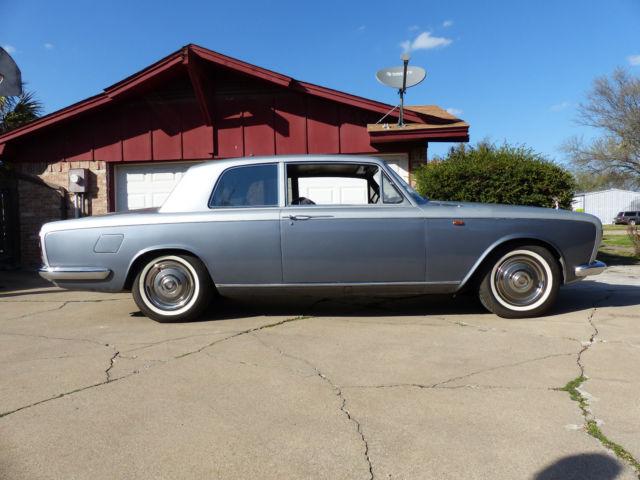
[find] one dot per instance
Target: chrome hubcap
(520, 280)
(169, 285)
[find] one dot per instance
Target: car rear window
(247, 186)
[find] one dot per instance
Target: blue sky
(515, 70)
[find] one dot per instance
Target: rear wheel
(632, 223)
(173, 288)
(522, 282)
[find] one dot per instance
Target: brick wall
(40, 201)
(417, 156)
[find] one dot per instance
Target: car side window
(390, 194)
(247, 186)
(333, 184)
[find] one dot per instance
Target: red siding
(290, 125)
(136, 133)
(257, 121)
(197, 138)
(79, 142)
(322, 126)
(228, 122)
(107, 143)
(166, 132)
(354, 138)
(249, 118)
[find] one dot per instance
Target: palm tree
(16, 111)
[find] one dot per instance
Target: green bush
(490, 174)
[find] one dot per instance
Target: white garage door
(144, 186)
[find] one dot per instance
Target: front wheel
(522, 282)
(173, 288)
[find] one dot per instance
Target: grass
(617, 249)
(617, 240)
(591, 426)
(614, 227)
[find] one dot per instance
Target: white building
(605, 204)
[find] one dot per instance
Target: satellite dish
(401, 78)
(393, 76)
(10, 77)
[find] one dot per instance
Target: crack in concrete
(112, 362)
(338, 392)
(96, 300)
(592, 424)
(47, 337)
(146, 345)
(116, 354)
(61, 395)
(498, 367)
(443, 383)
(470, 386)
(31, 314)
(243, 332)
(49, 310)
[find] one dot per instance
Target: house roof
(422, 115)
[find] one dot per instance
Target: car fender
(510, 238)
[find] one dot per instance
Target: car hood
(495, 210)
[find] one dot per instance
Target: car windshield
(419, 199)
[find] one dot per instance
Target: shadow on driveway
(575, 297)
(588, 466)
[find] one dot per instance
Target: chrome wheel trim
(169, 285)
(522, 280)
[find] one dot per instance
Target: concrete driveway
(348, 389)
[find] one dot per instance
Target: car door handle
(307, 217)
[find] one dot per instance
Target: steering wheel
(302, 201)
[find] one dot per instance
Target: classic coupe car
(326, 225)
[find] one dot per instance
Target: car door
(242, 240)
(344, 243)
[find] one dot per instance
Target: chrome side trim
(74, 273)
(357, 284)
(593, 268)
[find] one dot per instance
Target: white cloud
(560, 106)
(634, 60)
(413, 28)
(48, 46)
(9, 48)
(456, 112)
(425, 41)
(447, 23)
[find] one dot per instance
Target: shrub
(487, 173)
(634, 234)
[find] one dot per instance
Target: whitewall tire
(521, 282)
(172, 288)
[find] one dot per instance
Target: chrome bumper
(593, 268)
(74, 273)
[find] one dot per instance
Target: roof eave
(451, 134)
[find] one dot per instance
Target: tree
(496, 174)
(613, 108)
(587, 181)
(16, 111)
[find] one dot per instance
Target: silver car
(327, 225)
